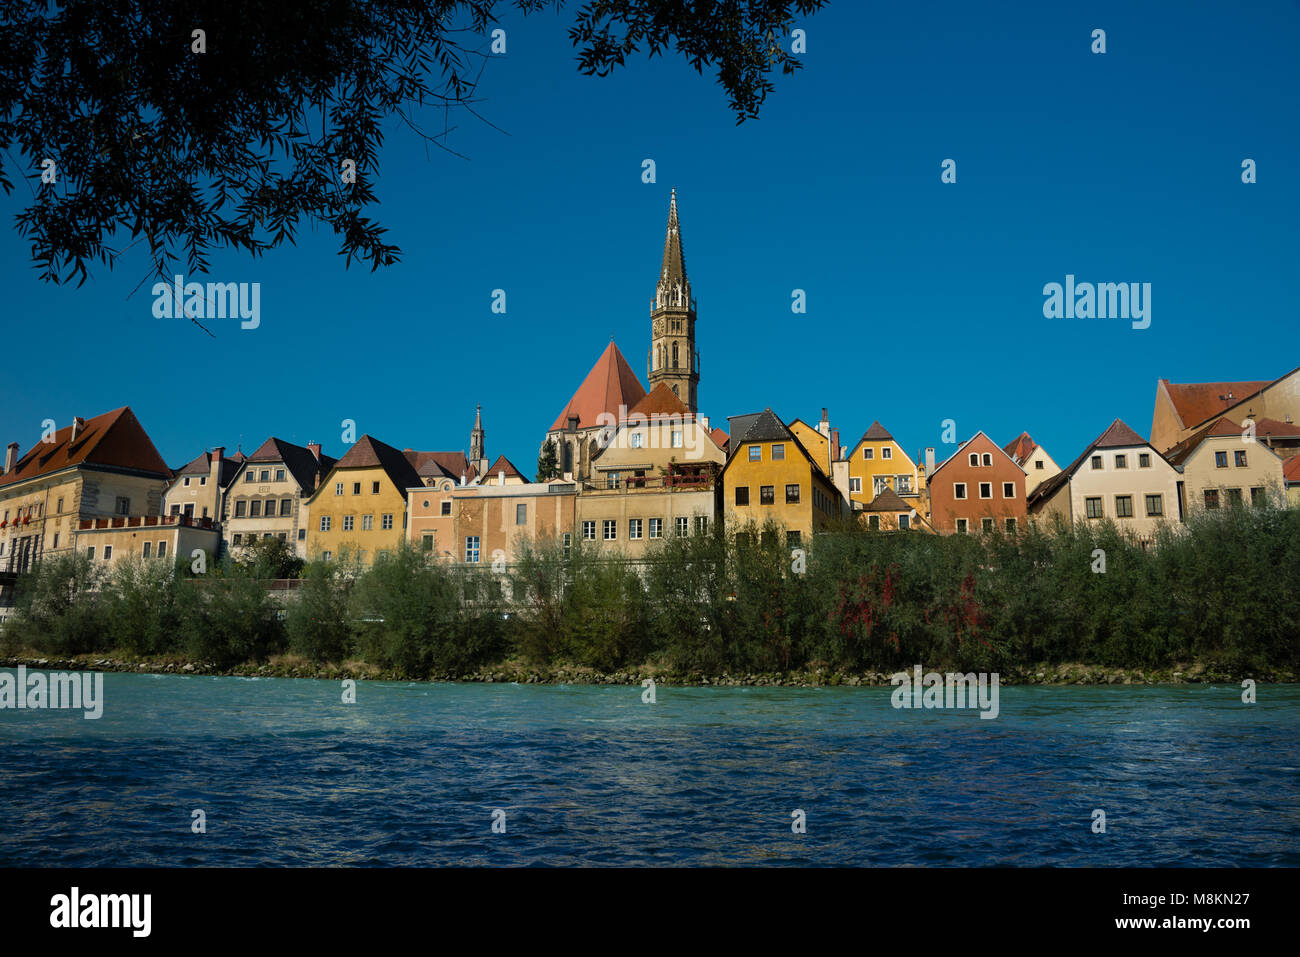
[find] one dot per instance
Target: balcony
(145, 521)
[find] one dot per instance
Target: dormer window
(988, 459)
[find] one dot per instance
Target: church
(579, 431)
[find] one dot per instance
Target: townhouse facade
(1033, 458)
(1182, 409)
(979, 488)
(1223, 466)
(199, 488)
(269, 494)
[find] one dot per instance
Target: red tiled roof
(503, 464)
(369, 453)
(1020, 448)
(1195, 402)
(1276, 429)
(1118, 436)
(720, 438)
(448, 464)
(659, 401)
(115, 439)
(1291, 470)
(1181, 452)
(610, 383)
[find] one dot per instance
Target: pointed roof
(1273, 428)
(1196, 402)
(202, 465)
(673, 271)
(1020, 448)
(610, 383)
(113, 440)
(877, 433)
(299, 460)
(720, 438)
(887, 501)
(1117, 435)
(450, 465)
(1222, 427)
(764, 426)
(369, 453)
(1291, 470)
(503, 464)
(661, 401)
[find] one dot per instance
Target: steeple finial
(673, 289)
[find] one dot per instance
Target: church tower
(477, 441)
(673, 359)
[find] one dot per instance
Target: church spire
(477, 442)
(674, 289)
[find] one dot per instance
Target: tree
(196, 125)
(548, 466)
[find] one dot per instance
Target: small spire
(673, 287)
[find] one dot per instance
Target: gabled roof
(450, 465)
(1291, 470)
(877, 433)
(765, 426)
(1117, 435)
(610, 383)
(300, 461)
(1222, 426)
(369, 453)
(1020, 448)
(720, 438)
(503, 464)
(1273, 428)
(113, 440)
(202, 465)
(1195, 402)
(961, 447)
(660, 401)
(887, 501)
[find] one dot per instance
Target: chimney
(573, 423)
(929, 462)
(462, 478)
(835, 445)
(824, 426)
(78, 424)
(314, 449)
(11, 457)
(214, 476)
(501, 477)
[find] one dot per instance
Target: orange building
(978, 488)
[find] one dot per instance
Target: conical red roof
(610, 383)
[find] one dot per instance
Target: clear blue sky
(924, 299)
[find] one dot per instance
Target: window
(873, 522)
(886, 453)
(742, 494)
(338, 487)
(279, 475)
(879, 484)
(162, 549)
(868, 454)
(186, 483)
(235, 540)
(145, 548)
(248, 476)
(610, 530)
(90, 551)
(356, 488)
(1038, 464)
(1096, 463)
(986, 524)
(1220, 460)
(568, 544)
(123, 506)
(1121, 461)
(1256, 498)
(265, 475)
(683, 526)
(108, 552)
(792, 495)
(446, 508)
(1092, 507)
(59, 507)
(588, 531)
(283, 536)
(676, 438)
(756, 453)
(1234, 497)
(634, 529)
(471, 548)
(302, 534)
(611, 480)
(255, 508)
(636, 440)
(793, 538)
(1155, 505)
(1239, 458)
(701, 524)
(521, 513)
(1008, 489)
(324, 523)
(905, 522)
(347, 523)
(286, 504)
(326, 555)
(241, 507)
(1212, 497)
(767, 494)
(1144, 460)
(959, 490)
(778, 452)
(961, 526)
(988, 459)
(903, 484)
(426, 541)
(986, 489)
(855, 485)
(374, 488)
(386, 521)
(1011, 525)
(56, 534)
(1124, 506)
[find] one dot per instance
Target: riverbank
(520, 672)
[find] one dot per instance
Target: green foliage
(548, 465)
(58, 607)
(317, 623)
(268, 558)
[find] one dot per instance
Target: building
(359, 510)
(887, 512)
(168, 537)
(1222, 467)
(1182, 409)
(978, 488)
(770, 476)
(1120, 476)
(1033, 458)
(673, 359)
(199, 487)
(821, 441)
(488, 521)
(93, 468)
(269, 494)
(878, 462)
(605, 395)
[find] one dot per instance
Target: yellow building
(770, 476)
(359, 510)
(878, 462)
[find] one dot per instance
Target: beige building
(98, 467)
(1033, 458)
(486, 521)
(269, 494)
(199, 488)
(1222, 468)
(1182, 409)
(110, 540)
(1120, 476)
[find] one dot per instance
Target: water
(411, 775)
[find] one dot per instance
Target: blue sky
(924, 299)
